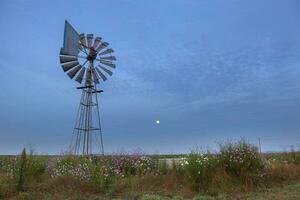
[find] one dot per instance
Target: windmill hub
(92, 55)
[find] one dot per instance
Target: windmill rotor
(89, 61)
(89, 49)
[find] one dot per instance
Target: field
(236, 171)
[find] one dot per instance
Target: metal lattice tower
(77, 52)
(87, 123)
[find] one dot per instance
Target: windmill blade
(107, 51)
(95, 77)
(69, 65)
(102, 46)
(103, 77)
(80, 75)
(106, 70)
(108, 58)
(82, 40)
(81, 47)
(97, 42)
(89, 39)
(66, 58)
(108, 63)
(74, 71)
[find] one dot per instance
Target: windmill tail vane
(88, 61)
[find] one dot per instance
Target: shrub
(78, 167)
(125, 165)
(201, 169)
(241, 159)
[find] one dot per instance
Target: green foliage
(241, 159)
(36, 167)
(25, 168)
(4, 164)
(201, 169)
(21, 171)
(295, 156)
(7, 186)
(100, 176)
(162, 167)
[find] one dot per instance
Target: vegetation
(238, 171)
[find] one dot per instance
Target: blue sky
(209, 70)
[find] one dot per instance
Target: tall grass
(21, 171)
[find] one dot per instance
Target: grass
(289, 192)
(237, 171)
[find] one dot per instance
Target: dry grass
(167, 185)
(283, 173)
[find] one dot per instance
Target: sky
(209, 70)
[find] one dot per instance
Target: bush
(126, 165)
(201, 169)
(77, 167)
(241, 159)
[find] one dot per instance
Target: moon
(157, 121)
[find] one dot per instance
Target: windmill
(88, 61)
